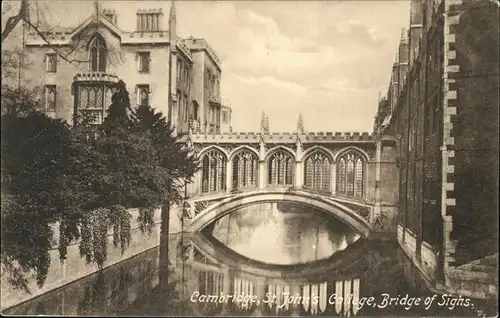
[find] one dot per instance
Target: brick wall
(474, 121)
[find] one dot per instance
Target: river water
(269, 259)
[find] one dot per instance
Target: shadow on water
(202, 266)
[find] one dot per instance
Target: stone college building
(78, 68)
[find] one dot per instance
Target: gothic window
(195, 110)
(186, 109)
(180, 105)
(50, 97)
(187, 77)
(213, 171)
(280, 168)
(179, 70)
(350, 175)
(91, 97)
(51, 62)
(245, 164)
(144, 59)
(143, 95)
(317, 172)
(98, 54)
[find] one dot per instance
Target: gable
(101, 22)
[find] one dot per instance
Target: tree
(171, 155)
(13, 21)
(37, 189)
(17, 98)
(19, 101)
(181, 165)
(118, 119)
(85, 178)
(131, 179)
(51, 173)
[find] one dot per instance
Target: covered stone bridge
(353, 176)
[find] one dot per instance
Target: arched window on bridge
(245, 164)
(280, 168)
(350, 175)
(214, 165)
(317, 172)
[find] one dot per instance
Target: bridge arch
(233, 203)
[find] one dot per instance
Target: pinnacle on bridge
(300, 124)
(264, 124)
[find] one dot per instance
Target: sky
(325, 59)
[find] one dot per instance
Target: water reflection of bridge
(276, 298)
(303, 289)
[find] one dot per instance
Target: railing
(194, 125)
(95, 77)
(212, 128)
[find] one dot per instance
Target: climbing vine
(146, 220)
(94, 233)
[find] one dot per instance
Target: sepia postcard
(250, 158)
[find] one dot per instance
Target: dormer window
(98, 54)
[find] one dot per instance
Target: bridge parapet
(277, 136)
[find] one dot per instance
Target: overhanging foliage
(84, 178)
